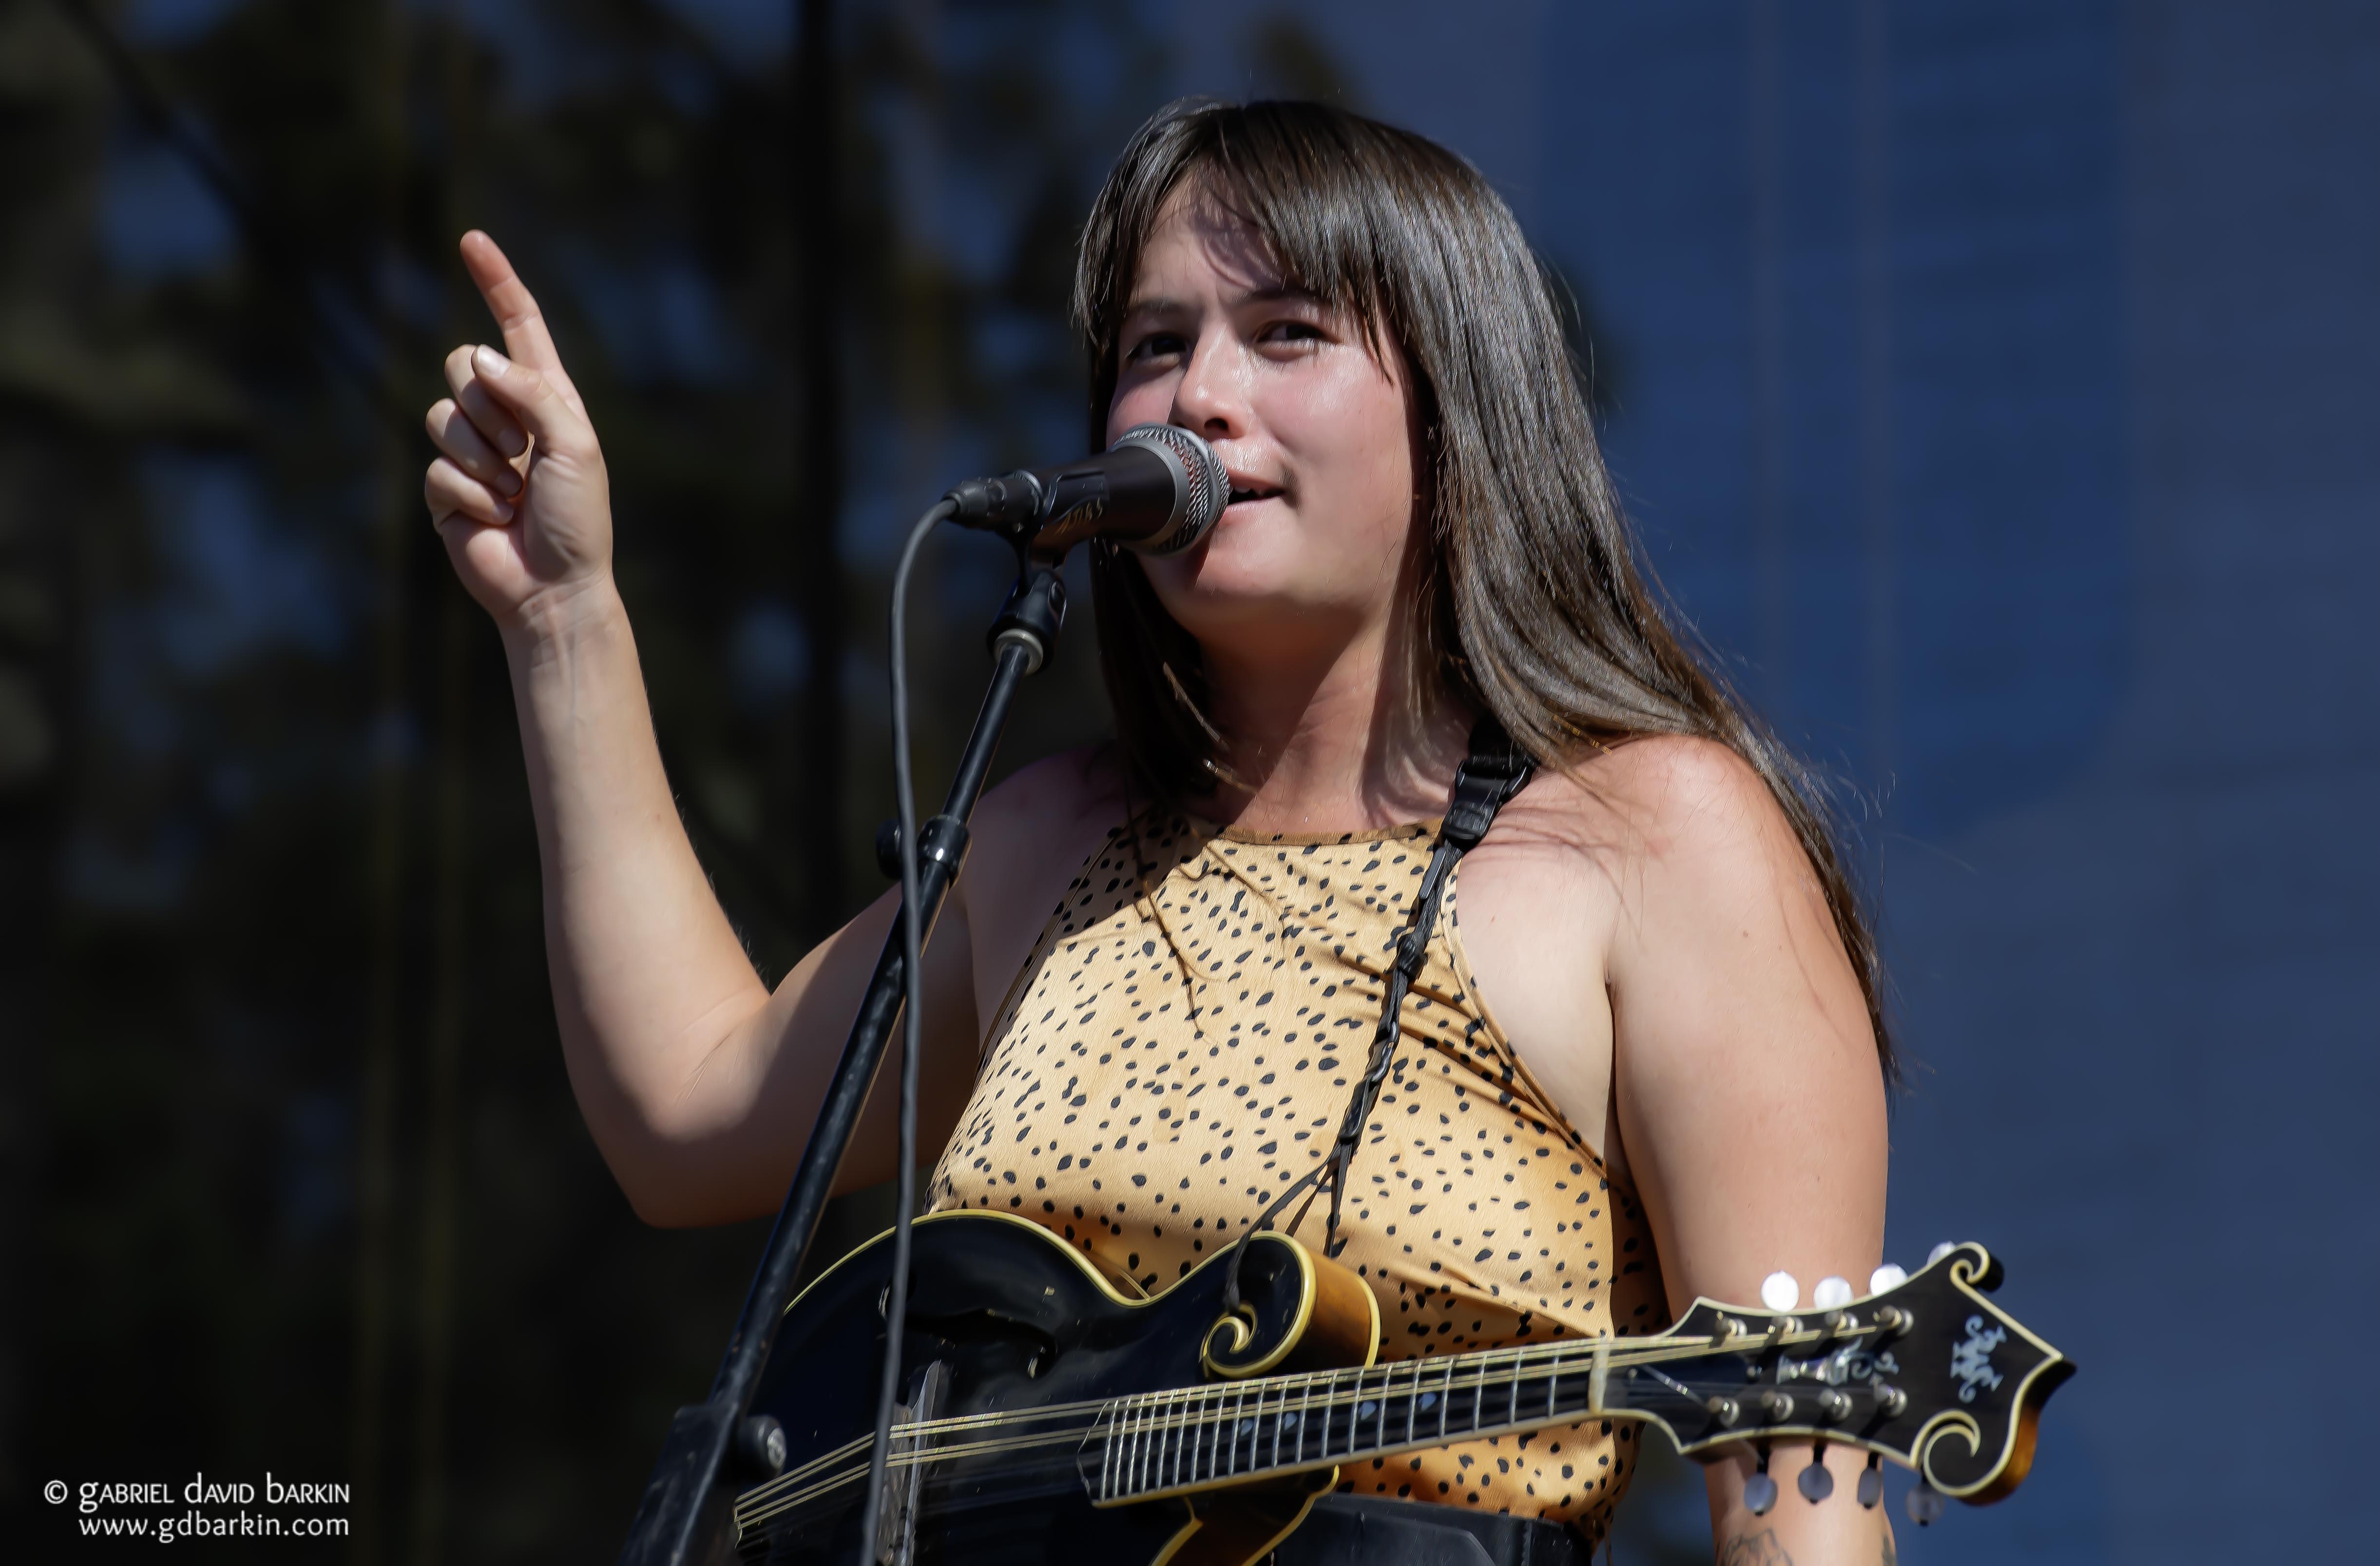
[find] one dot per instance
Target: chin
(1259, 573)
(1252, 609)
(1231, 575)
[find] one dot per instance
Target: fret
(1445, 1398)
(1553, 1379)
(1381, 1429)
(1186, 1462)
(1132, 1451)
(1181, 1435)
(1211, 1410)
(1167, 1436)
(1144, 1461)
(1512, 1415)
(1216, 1453)
(1239, 1410)
(1167, 1433)
(1185, 1457)
(1227, 1457)
(1412, 1400)
(1108, 1456)
(1305, 1418)
(1276, 1425)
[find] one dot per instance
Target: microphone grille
(1199, 502)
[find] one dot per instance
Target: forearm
(648, 978)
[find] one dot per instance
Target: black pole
(683, 1518)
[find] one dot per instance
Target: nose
(1211, 397)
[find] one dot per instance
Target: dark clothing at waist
(1349, 1530)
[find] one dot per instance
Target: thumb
(527, 396)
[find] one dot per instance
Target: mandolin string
(1475, 1373)
(923, 1430)
(747, 1517)
(1202, 1410)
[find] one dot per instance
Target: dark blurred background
(1992, 380)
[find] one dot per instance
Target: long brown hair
(1539, 610)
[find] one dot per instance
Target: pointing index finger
(527, 341)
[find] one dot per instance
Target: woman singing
(1642, 1059)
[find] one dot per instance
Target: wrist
(557, 616)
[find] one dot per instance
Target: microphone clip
(1010, 504)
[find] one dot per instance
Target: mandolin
(1045, 1414)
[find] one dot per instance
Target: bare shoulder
(1721, 906)
(1674, 807)
(1033, 832)
(1057, 791)
(1685, 851)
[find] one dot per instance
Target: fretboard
(1162, 1443)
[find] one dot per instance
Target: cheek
(1350, 440)
(1149, 403)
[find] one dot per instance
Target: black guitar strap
(1494, 771)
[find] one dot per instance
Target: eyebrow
(1269, 294)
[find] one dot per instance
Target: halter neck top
(1182, 1043)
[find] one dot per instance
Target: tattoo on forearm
(1755, 1549)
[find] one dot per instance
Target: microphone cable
(896, 1307)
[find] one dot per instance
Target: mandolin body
(1024, 1328)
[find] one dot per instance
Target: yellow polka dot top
(1183, 1044)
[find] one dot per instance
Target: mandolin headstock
(1927, 1372)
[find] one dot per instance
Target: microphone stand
(713, 1449)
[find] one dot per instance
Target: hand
(519, 495)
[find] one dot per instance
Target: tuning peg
(1760, 1490)
(1939, 1251)
(1886, 1277)
(1816, 1483)
(1924, 1504)
(1871, 1482)
(1780, 1292)
(1832, 1294)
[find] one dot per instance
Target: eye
(1292, 331)
(1157, 344)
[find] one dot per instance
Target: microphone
(1158, 489)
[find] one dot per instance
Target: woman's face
(1316, 435)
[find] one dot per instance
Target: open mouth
(1250, 489)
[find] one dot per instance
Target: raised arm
(1750, 1101)
(698, 1086)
